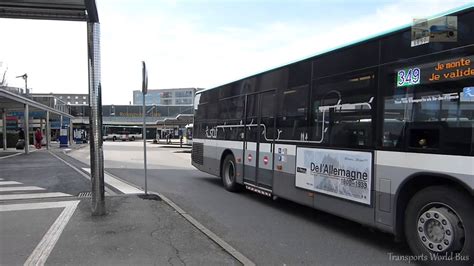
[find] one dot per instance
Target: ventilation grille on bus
(197, 153)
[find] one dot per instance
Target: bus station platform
(46, 218)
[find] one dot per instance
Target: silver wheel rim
(440, 229)
(229, 173)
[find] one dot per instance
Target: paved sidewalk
(135, 231)
(43, 221)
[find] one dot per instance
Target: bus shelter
(12, 102)
(75, 10)
(173, 125)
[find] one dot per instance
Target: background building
(161, 105)
(177, 96)
(70, 98)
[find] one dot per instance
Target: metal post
(26, 117)
(48, 131)
(26, 85)
(4, 130)
(71, 131)
(144, 142)
(95, 119)
(41, 130)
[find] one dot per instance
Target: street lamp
(25, 77)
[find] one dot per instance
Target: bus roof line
(359, 41)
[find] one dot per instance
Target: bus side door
(259, 136)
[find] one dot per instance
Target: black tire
(228, 174)
(114, 138)
(132, 139)
(443, 217)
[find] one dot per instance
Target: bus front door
(259, 136)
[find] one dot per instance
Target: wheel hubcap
(440, 229)
(230, 172)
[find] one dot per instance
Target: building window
(166, 101)
(84, 103)
(183, 101)
(180, 94)
(60, 97)
(77, 103)
(166, 95)
(69, 97)
(77, 97)
(68, 102)
(83, 97)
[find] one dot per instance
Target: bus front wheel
(114, 138)
(229, 174)
(439, 220)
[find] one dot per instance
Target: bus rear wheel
(439, 221)
(229, 174)
(114, 138)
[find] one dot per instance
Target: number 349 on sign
(408, 77)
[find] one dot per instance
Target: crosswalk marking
(45, 246)
(25, 188)
(5, 188)
(33, 196)
(4, 183)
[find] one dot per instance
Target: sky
(193, 43)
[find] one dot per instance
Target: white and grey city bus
(379, 132)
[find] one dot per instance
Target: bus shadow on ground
(367, 235)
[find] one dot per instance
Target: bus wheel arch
(420, 188)
(228, 172)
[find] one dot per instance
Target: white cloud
(180, 52)
(52, 53)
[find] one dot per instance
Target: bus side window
(431, 115)
(343, 109)
(293, 112)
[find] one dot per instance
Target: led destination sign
(452, 69)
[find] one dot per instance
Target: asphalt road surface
(269, 232)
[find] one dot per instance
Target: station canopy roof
(13, 102)
(72, 10)
(179, 120)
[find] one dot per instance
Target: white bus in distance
(122, 133)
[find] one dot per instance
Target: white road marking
(43, 249)
(11, 155)
(4, 183)
(118, 184)
(107, 190)
(33, 196)
(34, 206)
(1, 179)
(25, 188)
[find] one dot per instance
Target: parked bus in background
(379, 132)
(188, 134)
(123, 133)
